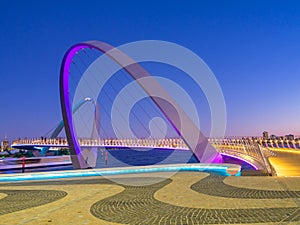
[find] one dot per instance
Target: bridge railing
(249, 150)
(269, 143)
(175, 143)
(246, 149)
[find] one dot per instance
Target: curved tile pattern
(137, 205)
(17, 200)
(214, 185)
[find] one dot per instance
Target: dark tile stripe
(23, 199)
(137, 205)
(214, 185)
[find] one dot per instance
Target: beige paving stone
(179, 193)
(2, 195)
(292, 183)
(73, 209)
(264, 183)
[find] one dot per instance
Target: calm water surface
(135, 157)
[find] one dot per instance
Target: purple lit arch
(183, 125)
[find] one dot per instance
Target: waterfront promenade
(159, 198)
(183, 198)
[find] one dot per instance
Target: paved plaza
(153, 198)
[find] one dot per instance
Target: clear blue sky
(253, 48)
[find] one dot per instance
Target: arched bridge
(246, 151)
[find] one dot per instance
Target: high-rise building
(265, 135)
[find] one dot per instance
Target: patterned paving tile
(17, 200)
(137, 205)
(214, 185)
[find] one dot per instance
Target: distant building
(265, 135)
(4, 144)
(290, 137)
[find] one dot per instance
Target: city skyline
(251, 47)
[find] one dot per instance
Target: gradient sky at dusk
(253, 48)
